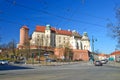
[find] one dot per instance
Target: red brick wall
(59, 52)
(77, 54)
(81, 55)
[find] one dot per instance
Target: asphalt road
(80, 71)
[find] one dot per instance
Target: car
(98, 63)
(19, 62)
(104, 61)
(3, 62)
(50, 60)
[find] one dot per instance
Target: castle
(48, 36)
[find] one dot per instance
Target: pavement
(52, 64)
(110, 63)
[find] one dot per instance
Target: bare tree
(12, 45)
(115, 28)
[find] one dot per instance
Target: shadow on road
(12, 67)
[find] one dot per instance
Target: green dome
(85, 34)
(48, 27)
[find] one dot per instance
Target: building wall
(81, 55)
(47, 37)
(59, 53)
(37, 39)
(77, 54)
(76, 43)
(85, 44)
(53, 40)
(73, 42)
(62, 40)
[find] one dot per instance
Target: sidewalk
(112, 63)
(49, 64)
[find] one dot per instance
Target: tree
(12, 46)
(8, 49)
(115, 28)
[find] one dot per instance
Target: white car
(3, 62)
(104, 61)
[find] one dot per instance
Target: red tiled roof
(102, 54)
(116, 53)
(40, 28)
(62, 32)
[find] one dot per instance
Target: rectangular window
(37, 39)
(59, 41)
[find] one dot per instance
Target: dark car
(50, 60)
(98, 63)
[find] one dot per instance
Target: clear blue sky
(89, 16)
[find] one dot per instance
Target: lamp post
(39, 54)
(93, 40)
(92, 56)
(33, 58)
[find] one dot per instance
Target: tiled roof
(102, 54)
(116, 53)
(62, 32)
(40, 28)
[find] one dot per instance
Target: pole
(39, 55)
(92, 44)
(33, 58)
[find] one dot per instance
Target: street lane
(65, 72)
(12, 67)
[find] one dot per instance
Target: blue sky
(89, 16)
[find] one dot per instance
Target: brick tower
(23, 36)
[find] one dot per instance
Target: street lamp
(92, 56)
(93, 40)
(33, 58)
(39, 54)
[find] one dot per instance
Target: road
(84, 71)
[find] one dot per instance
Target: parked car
(104, 61)
(19, 62)
(3, 62)
(98, 63)
(50, 60)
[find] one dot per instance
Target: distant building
(102, 56)
(115, 56)
(47, 36)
